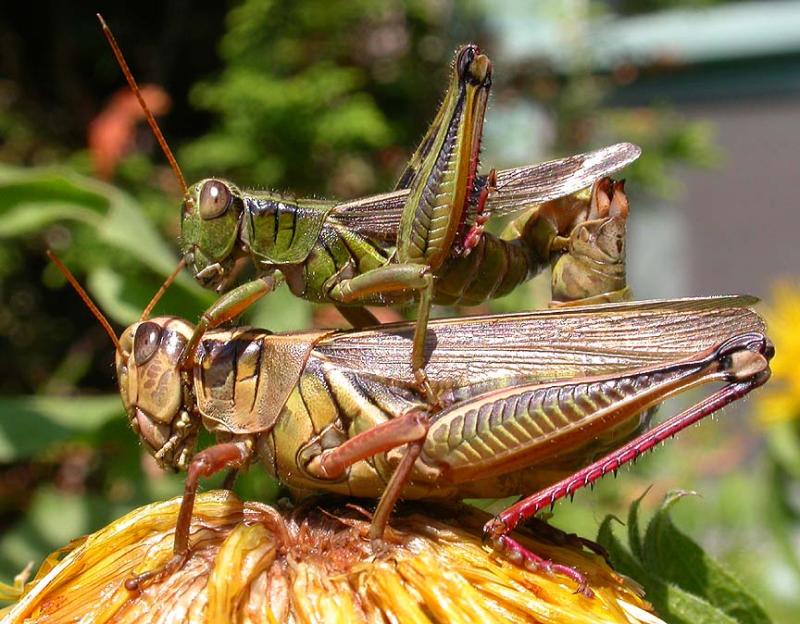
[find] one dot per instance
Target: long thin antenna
(89, 303)
(167, 283)
(148, 115)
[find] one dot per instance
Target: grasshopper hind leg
(393, 490)
(410, 429)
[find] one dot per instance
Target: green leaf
(38, 534)
(682, 562)
(678, 606)
(634, 533)
(31, 199)
(684, 584)
(624, 562)
(670, 601)
(30, 425)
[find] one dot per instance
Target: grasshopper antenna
(148, 115)
(167, 283)
(86, 299)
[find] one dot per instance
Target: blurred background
(328, 99)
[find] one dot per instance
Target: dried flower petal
(427, 570)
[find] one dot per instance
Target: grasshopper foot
(474, 234)
(137, 583)
(519, 555)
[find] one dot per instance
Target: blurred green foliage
(317, 97)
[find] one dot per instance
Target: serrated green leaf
(682, 564)
(30, 425)
(622, 559)
(671, 602)
(634, 532)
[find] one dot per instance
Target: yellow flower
(429, 569)
(781, 399)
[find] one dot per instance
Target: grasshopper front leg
(226, 308)
(206, 463)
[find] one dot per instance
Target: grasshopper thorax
(157, 395)
(210, 224)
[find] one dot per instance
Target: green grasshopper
(414, 243)
(526, 401)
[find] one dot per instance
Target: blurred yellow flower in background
(430, 569)
(780, 400)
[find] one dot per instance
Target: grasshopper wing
(525, 187)
(378, 216)
(549, 345)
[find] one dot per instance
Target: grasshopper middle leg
(409, 429)
(391, 278)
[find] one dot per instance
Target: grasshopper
(527, 402)
(423, 242)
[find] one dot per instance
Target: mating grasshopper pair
(523, 402)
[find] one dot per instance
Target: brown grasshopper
(394, 248)
(527, 401)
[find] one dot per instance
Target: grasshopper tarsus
(137, 583)
(528, 559)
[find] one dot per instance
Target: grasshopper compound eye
(145, 342)
(215, 198)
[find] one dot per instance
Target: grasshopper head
(209, 230)
(156, 394)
